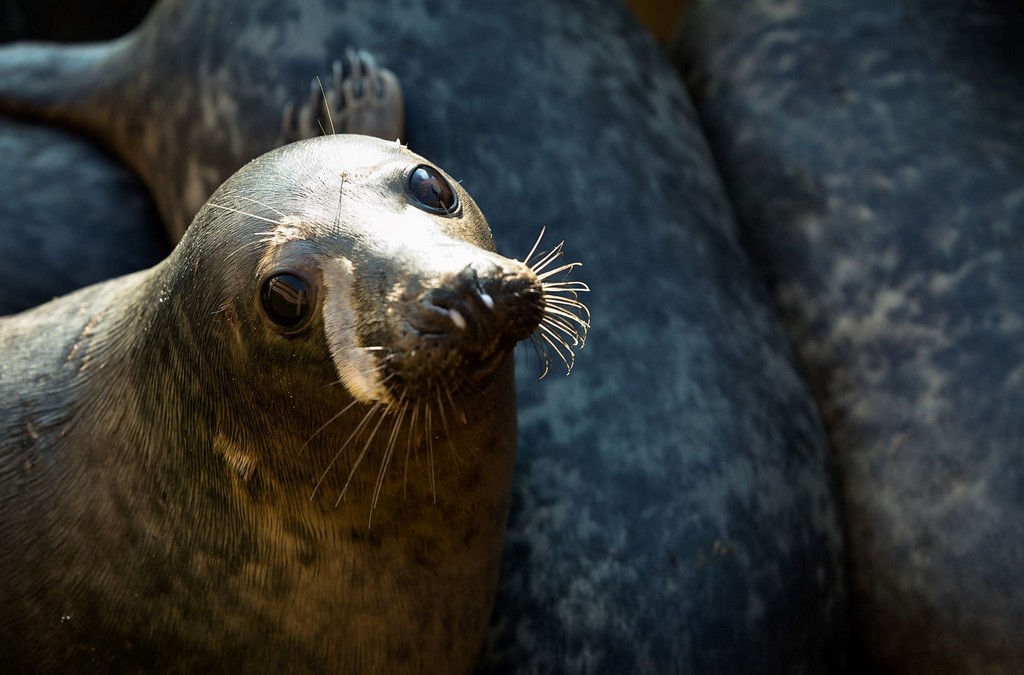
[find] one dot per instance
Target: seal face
(182, 440)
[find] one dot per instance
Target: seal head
(385, 253)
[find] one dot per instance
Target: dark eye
(287, 300)
(430, 191)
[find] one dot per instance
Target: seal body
(673, 509)
(197, 478)
(874, 154)
(70, 215)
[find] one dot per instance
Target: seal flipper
(360, 98)
(65, 84)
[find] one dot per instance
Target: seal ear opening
(287, 298)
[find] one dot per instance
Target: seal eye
(430, 191)
(287, 300)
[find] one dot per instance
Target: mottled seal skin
(874, 156)
(673, 510)
(70, 216)
(172, 462)
(192, 93)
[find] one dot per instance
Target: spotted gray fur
(875, 159)
(70, 215)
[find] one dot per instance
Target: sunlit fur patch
(356, 364)
(288, 229)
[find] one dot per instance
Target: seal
(897, 259)
(288, 446)
(204, 132)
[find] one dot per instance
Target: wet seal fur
(175, 446)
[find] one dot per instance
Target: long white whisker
(430, 455)
(327, 107)
(408, 449)
(551, 256)
(363, 452)
(552, 342)
(243, 213)
(259, 203)
(565, 286)
(325, 424)
(551, 310)
(526, 261)
(386, 460)
(344, 445)
(542, 354)
(561, 268)
(572, 335)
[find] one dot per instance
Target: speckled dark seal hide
(288, 447)
(876, 159)
(190, 95)
(673, 510)
(70, 214)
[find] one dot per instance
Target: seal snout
(459, 324)
(482, 304)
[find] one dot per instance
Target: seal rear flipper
(359, 98)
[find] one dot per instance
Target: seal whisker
(542, 355)
(564, 315)
(566, 344)
(548, 258)
(251, 244)
(572, 335)
(444, 425)
(578, 335)
(327, 107)
(582, 318)
(326, 424)
(565, 286)
(358, 428)
(552, 339)
(430, 453)
(561, 268)
(242, 213)
(408, 449)
(263, 204)
(566, 301)
(526, 261)
(385, 461)
(459, 413)
(377, 408)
